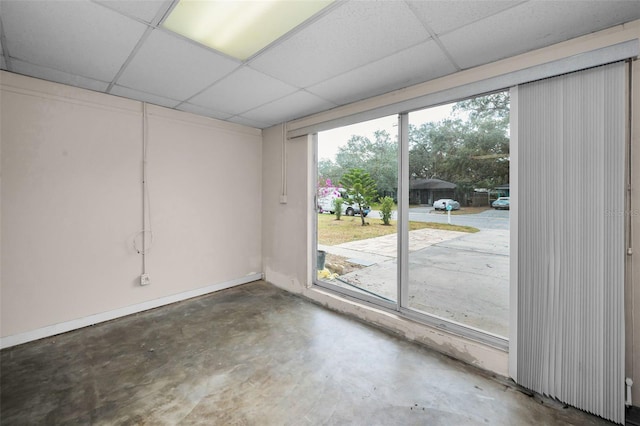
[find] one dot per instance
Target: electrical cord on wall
(630, 214)
(283, 177)
(629, 218)
(146, 199)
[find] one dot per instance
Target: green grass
(349, 228)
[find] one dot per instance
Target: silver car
(444, 202)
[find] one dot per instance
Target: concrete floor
(252, 355)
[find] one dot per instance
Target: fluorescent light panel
(239, 28)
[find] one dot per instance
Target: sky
(330, 140)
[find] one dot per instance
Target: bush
(386, 207)
(337, 205)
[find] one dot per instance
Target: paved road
(489, 219)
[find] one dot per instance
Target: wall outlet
(144, 279)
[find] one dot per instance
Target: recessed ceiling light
(239, 28)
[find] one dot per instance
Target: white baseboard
(52, 330)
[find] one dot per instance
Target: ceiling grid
(350, 51)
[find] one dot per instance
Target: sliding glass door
(459, 186)
(450, 253)
(356, 192)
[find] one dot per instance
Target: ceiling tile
(533, 25)
(414, 65)
(145, 10)
(49, 74)
(174, 68)
(288, 108)
(443, 16)
(77, 37)
(355, 50)
(246, 122)
(241, 91)
(143, 97)
(347, 37)
(205, 112)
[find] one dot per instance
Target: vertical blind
(571, 172)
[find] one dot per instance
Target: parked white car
(325, 204)
(444, 202)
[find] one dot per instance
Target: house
(484, 197)
(502, 190)
(426, 191)
(141, 168)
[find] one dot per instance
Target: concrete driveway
(457, 276)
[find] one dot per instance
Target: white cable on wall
(283, 194)
(146, 199)
(630, 188)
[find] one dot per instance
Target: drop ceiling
(350, 51)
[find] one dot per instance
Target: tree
(432, 146)
(378, 157)
(493, 107)
(329, 171)
(471, 148)
(360, 189)
(383, 163)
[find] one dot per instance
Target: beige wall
(205, 190)
(287, 227)
(285, 238)
(72, 202)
